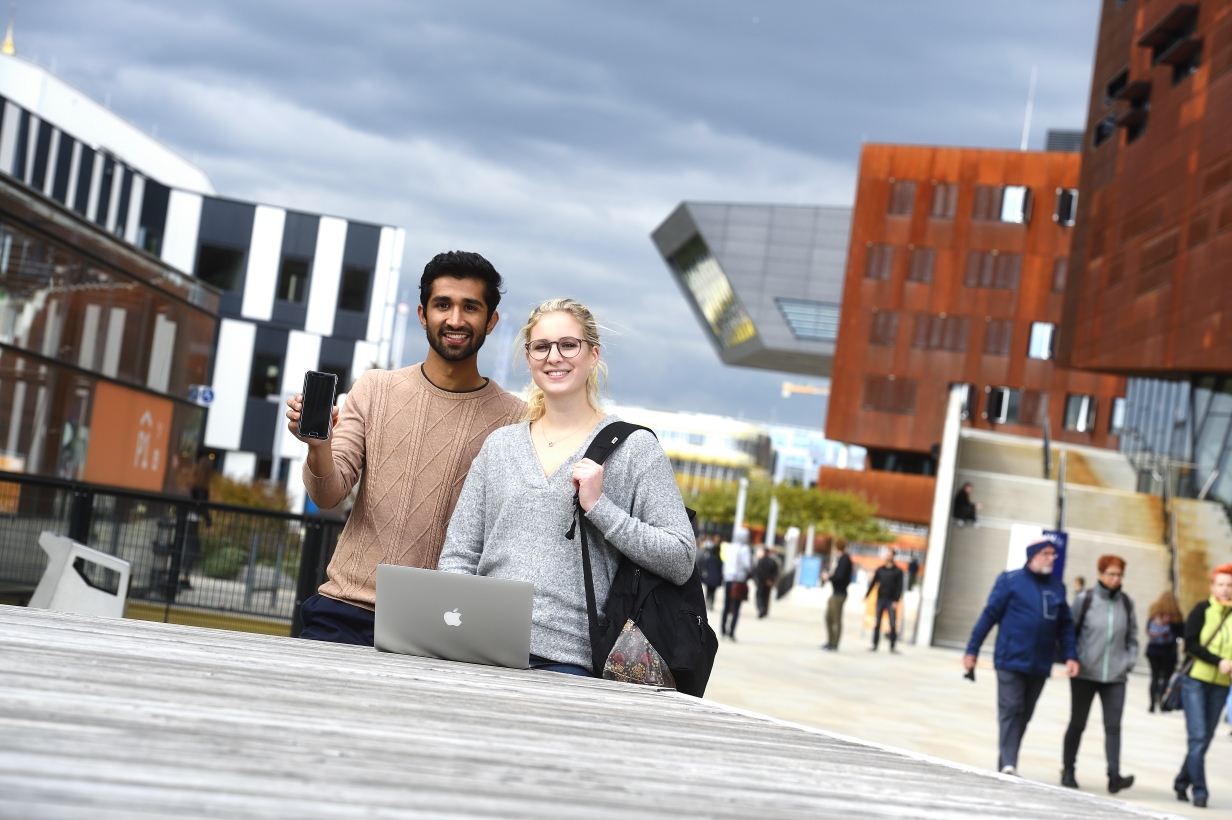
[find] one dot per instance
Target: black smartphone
(320, 390)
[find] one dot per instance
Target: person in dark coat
(913, 572)
(712, 572)
(888, 581)
(1028, 607)
(839, 578)
(765, 573)
(1164, 627)
(965, 506)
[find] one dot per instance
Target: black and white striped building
(299, 291)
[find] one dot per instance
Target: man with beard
(409, 437)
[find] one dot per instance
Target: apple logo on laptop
(453, 618)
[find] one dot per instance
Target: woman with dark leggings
(1163, 628)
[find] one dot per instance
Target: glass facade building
(95, 336)
(765, 281)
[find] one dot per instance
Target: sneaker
(1117, 783)
(1010, 770)
(1200, 802)
(1182, 793)
(1067, 779)
(828, 648)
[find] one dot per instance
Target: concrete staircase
(1204, 541)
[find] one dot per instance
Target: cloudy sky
(553, 137)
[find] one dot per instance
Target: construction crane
(805, 389)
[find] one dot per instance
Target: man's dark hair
(462, 265)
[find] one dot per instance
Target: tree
(834, 513)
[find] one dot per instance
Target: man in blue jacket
(1029, 605)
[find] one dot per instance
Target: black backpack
(673, 618)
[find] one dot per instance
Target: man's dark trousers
(764, 588)
(328, 620)
(1017, 693)
(888, 608)
(1112, 698)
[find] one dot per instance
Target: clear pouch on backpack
(634, 660)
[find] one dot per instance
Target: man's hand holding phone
(295, 406)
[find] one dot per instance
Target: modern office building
(764, 281)
(1150, 289)
(99, 343)
(296, 291)
(955, 276)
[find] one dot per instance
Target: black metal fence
(193, 562)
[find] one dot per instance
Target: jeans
(834, 619)
(1112, 700)
(886, 607)
(1203, 703)
(1162, 667)
(545, 665)
(1017, 693)
(764, 588)
(328, 620)
(731, 608)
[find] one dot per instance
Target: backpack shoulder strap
(609, 438)
(1082, 612)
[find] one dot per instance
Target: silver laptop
(455, 617)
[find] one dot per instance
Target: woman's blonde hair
(590, 332)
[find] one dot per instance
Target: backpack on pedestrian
(647, 620)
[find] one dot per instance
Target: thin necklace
(544, 435)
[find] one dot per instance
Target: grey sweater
(1108, 640)
(510, 522)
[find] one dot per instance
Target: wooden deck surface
(128, 720)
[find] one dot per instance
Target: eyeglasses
(539, 349)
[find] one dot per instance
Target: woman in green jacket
(1208, 641)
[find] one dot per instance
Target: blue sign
(201, 394)
(1060, 540)
(810, 570)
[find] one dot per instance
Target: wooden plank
(127, 719)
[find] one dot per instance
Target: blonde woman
(518, 500)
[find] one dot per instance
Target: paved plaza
(918, 700)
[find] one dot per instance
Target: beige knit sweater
(414, 444)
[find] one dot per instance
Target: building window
(941, 333)
(1116, 419)
(879, 262)
(999, 337)
(1060, 269)
(266, 378)
(353, 290)
(1079, 413)
(1104, 129)
(1067, 207)
(992, 269)
(887, 394)
(922, 261)
(884, 328)
(293, 279)
(1016, 204)
(712, 293)
(945, 200)
(1033, 408)
(220, 266)
(967, 393)
(1115, 86)
(809, 320)
(986, 205)
(1002, 405)
(902, 198)
(1040, 344)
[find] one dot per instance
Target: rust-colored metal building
(955, 275)
(1150, 291)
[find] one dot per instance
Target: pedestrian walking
(913, 572)
(736, 578)
(1165, 626)
(1028, 607)
(1080, 584)
(1204, 688)
(965, 507)
(839, 578)
(888, 581)
(712, 572)
(1106, 634)
(766, 574)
